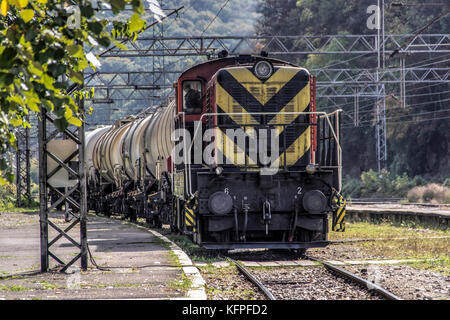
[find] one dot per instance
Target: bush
(351, 188)
(432, 193)
(7, 195)
(415, 194)
(380, 185)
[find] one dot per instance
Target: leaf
(48, 81)
(27, 14)
(96, 27)
(3, 164)
(117, 5)
(15, 121)
(87, 10)
(104, 41)
(36, 68)
(120, 45)
(75, 121)
(4, 7)
(6, 78)
(75, 50)
(22, 3)
(76, 77)
(6, 58)
(33, 106)
(136, 23)
(17, 99)
(68, 114)
(32, 99)
(48, 105)
(3, 181)
(61, 123)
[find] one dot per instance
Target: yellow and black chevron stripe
(238, 90)
(190, 209)
(338, 218)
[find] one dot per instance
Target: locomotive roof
(240, 60)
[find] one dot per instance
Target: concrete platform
(135, 263)
(438, 217)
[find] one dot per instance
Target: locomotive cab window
(192, 97)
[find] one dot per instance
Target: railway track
(265, 285)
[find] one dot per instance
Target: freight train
(238, 158)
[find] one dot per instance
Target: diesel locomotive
(238, 158)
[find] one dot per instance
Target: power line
(419, 32)
(217, 14)
(400, 122)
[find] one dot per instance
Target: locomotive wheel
(298, 253)
(173, 229)
(157, 222)
(133, 217)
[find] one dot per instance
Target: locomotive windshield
(192, 97)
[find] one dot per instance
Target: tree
(42, 57)
(415, 146)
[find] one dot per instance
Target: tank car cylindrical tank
(157, 144)
(131, 147)
(139, 143)
(107, 158)
(91, 139)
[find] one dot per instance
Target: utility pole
(380, 124)
(23, 174)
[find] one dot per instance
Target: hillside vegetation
(417, 136)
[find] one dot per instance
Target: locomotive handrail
(321, 114)
(187, 167)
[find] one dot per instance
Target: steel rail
(252, 278)
(354, 278)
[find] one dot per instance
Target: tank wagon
(239, 158)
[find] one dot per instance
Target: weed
(13, 288)
(183, 283)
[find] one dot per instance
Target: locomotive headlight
(263, 69)
(220, 203)
(311, 168)
(314, 201)
(219, 170)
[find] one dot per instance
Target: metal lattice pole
(23, 174)
(54, 160)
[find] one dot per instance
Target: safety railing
(329, 146)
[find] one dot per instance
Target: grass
(196, 253)
(385, 230)
(183, 283)
(13, 288)
(47, 285)
(417, 244)
(14, 209)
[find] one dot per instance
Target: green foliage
(379, 185)
(39, 44)
(415, 148)
(7, 195)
